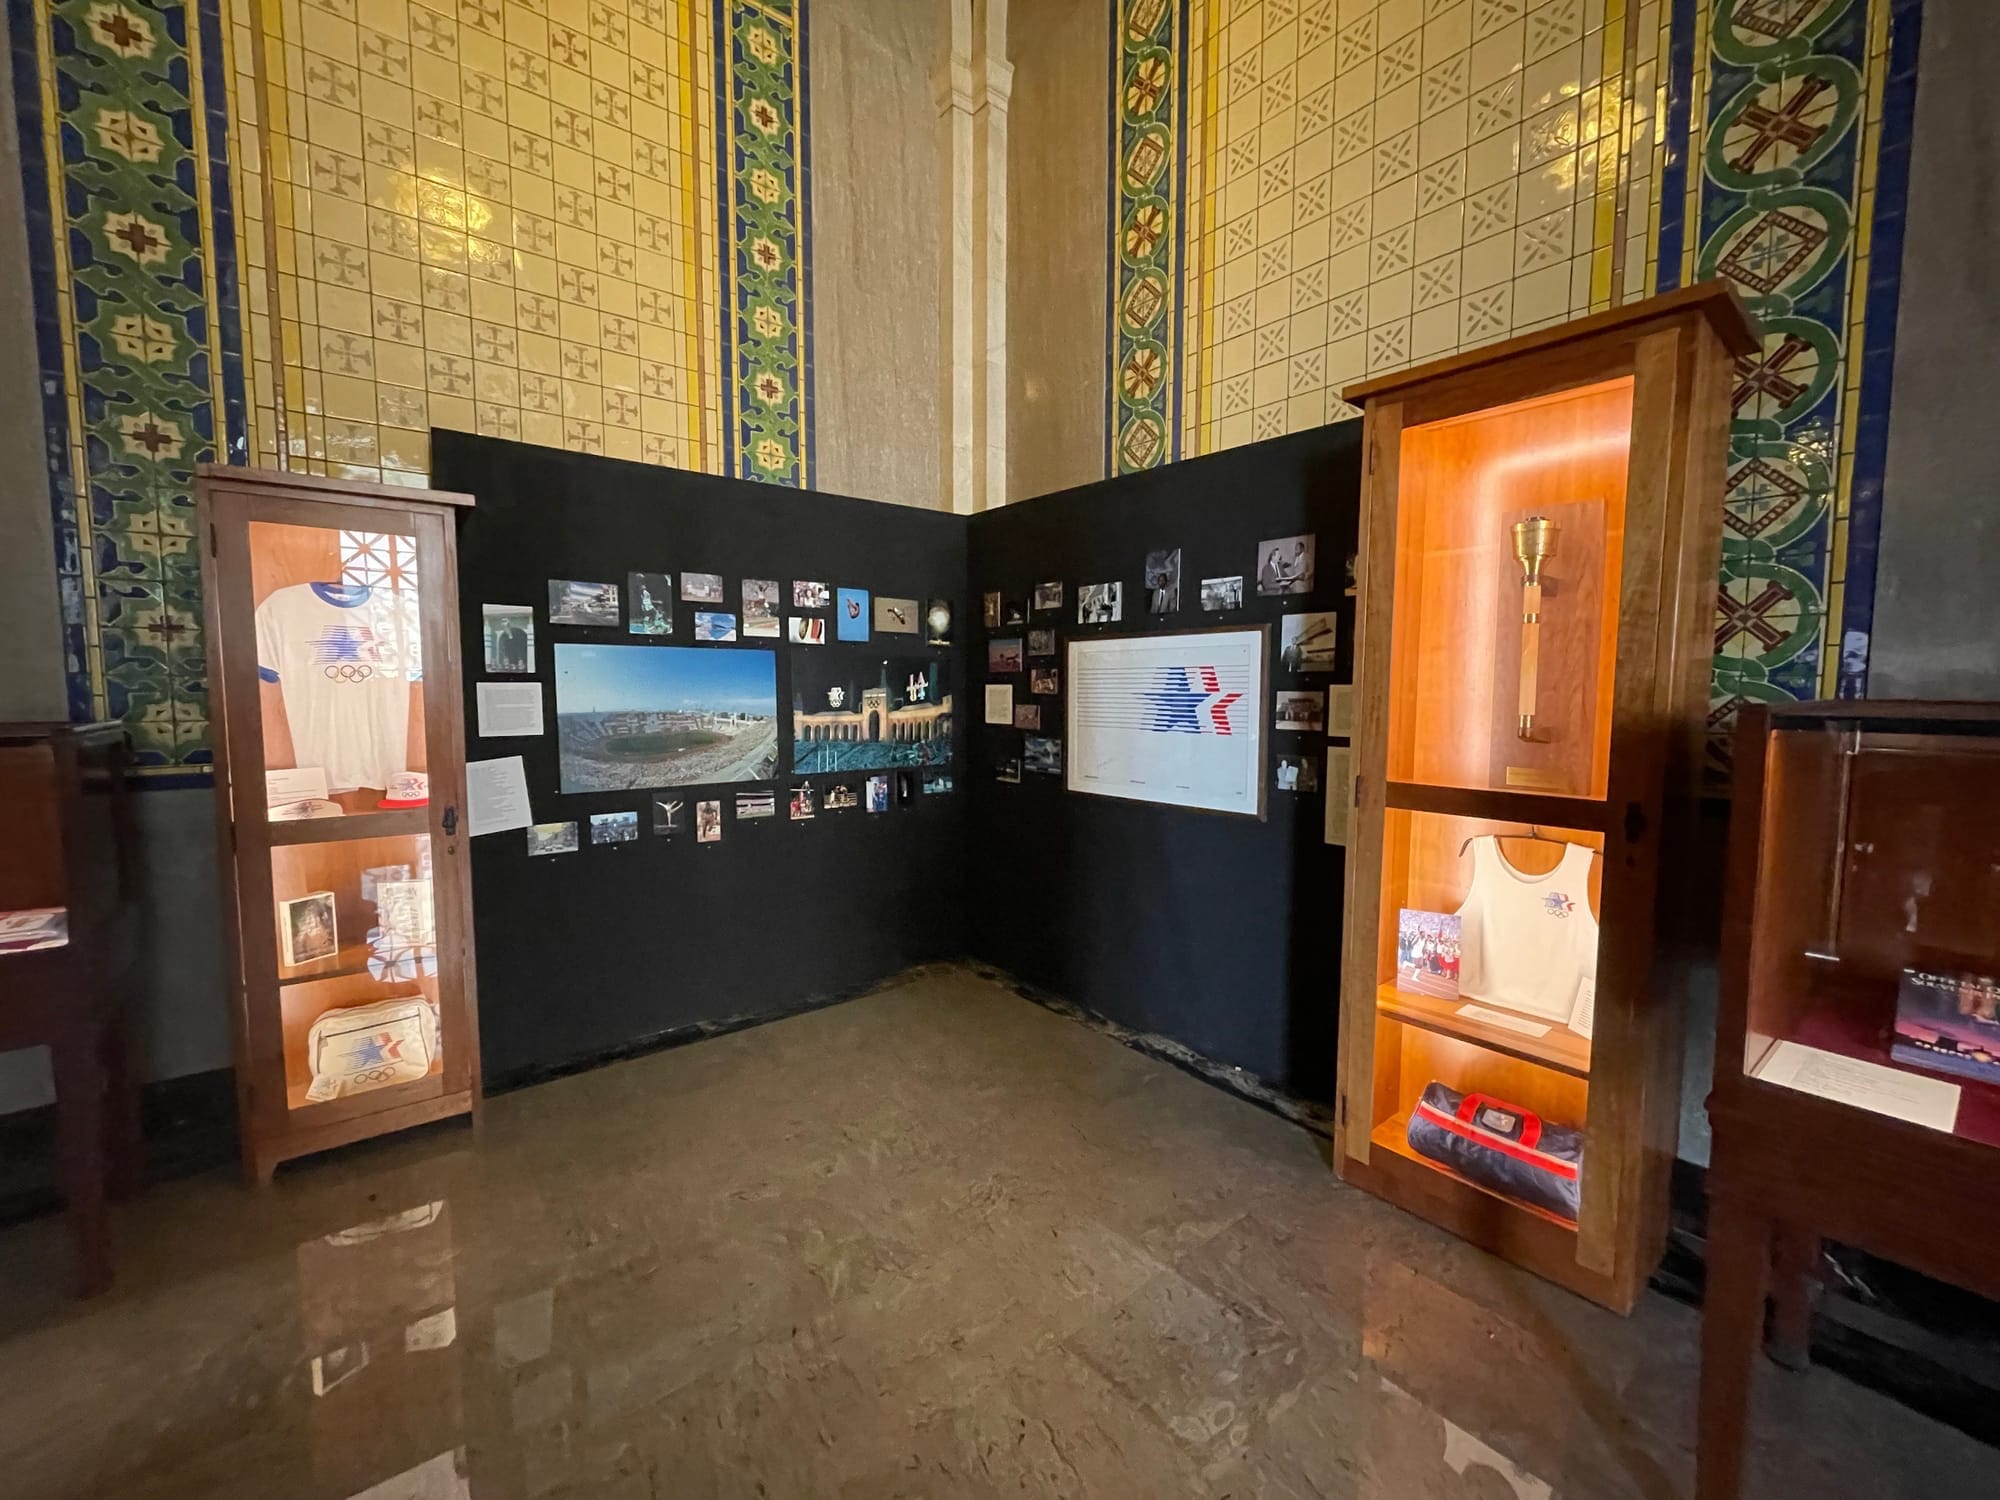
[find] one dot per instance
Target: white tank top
(1527, 941)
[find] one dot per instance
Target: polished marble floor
(934, 1242)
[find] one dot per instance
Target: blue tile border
(1674, 169)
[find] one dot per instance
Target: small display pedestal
(332, 646)
(1857, 1062)
(1540, 535)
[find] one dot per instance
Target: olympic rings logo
(348, 672)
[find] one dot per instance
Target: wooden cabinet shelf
(1540, 537)
(1559, 1048)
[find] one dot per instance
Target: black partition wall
(617, 947)
(1220, 933)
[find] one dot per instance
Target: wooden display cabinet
(1540, 535)
(332, 610)
(1864, 854)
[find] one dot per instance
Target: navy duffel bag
(1501, 1147)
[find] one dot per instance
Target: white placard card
(509, 708)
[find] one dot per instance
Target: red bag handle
(1531, 1123)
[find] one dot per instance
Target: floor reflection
(936, 1242)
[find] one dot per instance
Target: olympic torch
(1534, 544)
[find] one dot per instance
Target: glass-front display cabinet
(1540, 536)
(340, 789)
(1857, 1056)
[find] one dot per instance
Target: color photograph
(1163, 581)
(878, 794)
(895, 616)
(614, 827)
(937, 623)
(701, 588)
(572, 602)
(936, 782)
(802, 801)
(1027, 716)
(653, 716)
(1048, 596)
(1004, 655)
(756, 805)
(1222, 593)
(850, 614)
(864, 715)
(842, 795)
(509, 633)
(1285, 566)
(1045, 681)
(1041, 643)
(669, 816)
(1100, 603)
(1041, 754)
(652, 597)
(808, 630)
(1306, 642)
(1427, 953)
(810, 595)
(714, 627)
(1298, 773)
(306, 930)
(760, 607)
(552, 838)
(708, 822)
(1304, 712)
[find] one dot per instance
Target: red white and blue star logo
(1187, 700)
(1556, 904)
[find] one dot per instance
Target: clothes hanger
(1534, 832)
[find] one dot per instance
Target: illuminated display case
(340, 789)
(1857, 1063)
(1540, 538)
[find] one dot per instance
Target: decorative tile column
(973, 92)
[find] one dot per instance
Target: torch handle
(1531, 654)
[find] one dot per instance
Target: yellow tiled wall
(483, 215)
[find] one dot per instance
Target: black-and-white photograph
(652, 597)
(1027, 716)
(1163, 581)
(1013, 613)
(1100, 604)
(614, 827)
(1222, 593)
(1298, 773)
(552, 838)
(670, 815)
(1304, 712)
(1008, 770)
(1048, 596)
(701, 588)
(1041, 643)
(1041, 754)
(574, 602)
(509, 631)
(1306, 642)
(756, 805)
(1285, 566)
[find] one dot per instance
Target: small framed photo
(760, 607)
(1163, 581)
(895, 616)
(808, 630)
(802, 801)
(1048, 596)
(1285, 566)
(306, 930)
(1100, 603)
(989, 613)
(708, 822)
(1306, 642)
(1041, 643)
(575, 602)
(1427, 953)
(701, 588)
(1044, 681)
(1027, 716)
(807, 595)
(652, 603)
(714, 627)
(1298, 773)
(850, 614)
(1003, 655)
(1013, 614)
(878, 794)
(1222, 593)
(937, 623)
(1304, 712)
(509, 630)
(1041, 755)
(552, 838)
(614, 827)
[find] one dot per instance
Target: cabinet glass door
(348, 851)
